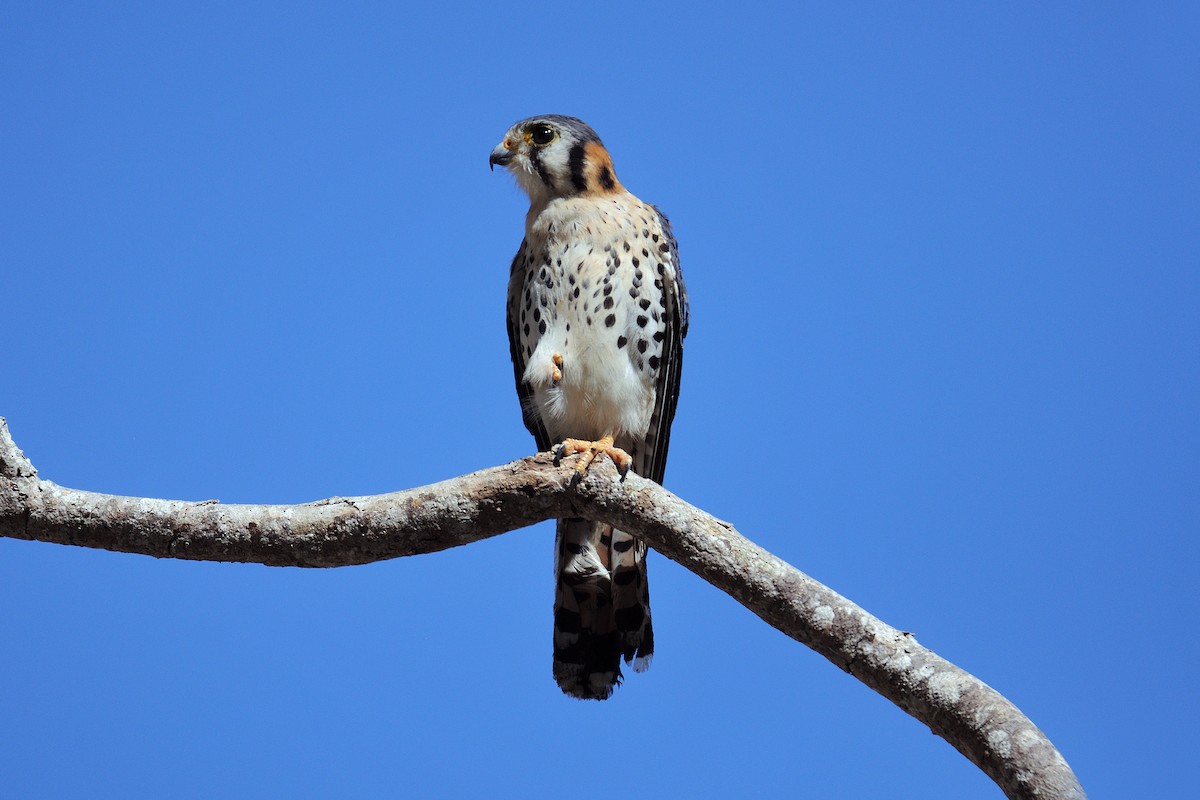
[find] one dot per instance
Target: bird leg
(591, 450)
(556, 373)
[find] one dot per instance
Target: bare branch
(971, 716)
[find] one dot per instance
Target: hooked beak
(501, 155)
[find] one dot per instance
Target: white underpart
(601, 391)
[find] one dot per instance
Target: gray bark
(967, 713)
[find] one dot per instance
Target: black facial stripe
(575, 160)
(535, 156)
(606, 178)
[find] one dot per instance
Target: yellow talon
(556, 374)
(591, 450)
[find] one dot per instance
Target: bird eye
(540, 134)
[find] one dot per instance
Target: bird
(597, 312)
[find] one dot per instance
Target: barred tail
(601, 608)
(631, 600)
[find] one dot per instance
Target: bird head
(554, 156)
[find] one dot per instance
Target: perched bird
(597, 312)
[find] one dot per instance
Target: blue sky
(944, 268)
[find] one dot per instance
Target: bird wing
(652, 456)
(529, 412)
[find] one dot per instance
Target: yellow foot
(591, 450)
(556, 375)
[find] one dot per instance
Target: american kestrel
(597, 313)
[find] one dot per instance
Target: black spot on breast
(642, 345)
(542, 326)
(610, 320)
(664, 247)
(621, 341)
(635, 261)
(607, 288)
(658, 335)
(608, 302)
(526, 328)
(576, 292)
(654, 237)
(627, 250)
(537, 314)
(641, 321)
(644, 303)
(653, 361)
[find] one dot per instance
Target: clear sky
(944, 266)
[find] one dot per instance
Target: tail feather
(601, 608)
(631, 600)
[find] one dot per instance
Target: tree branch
(340, 531)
